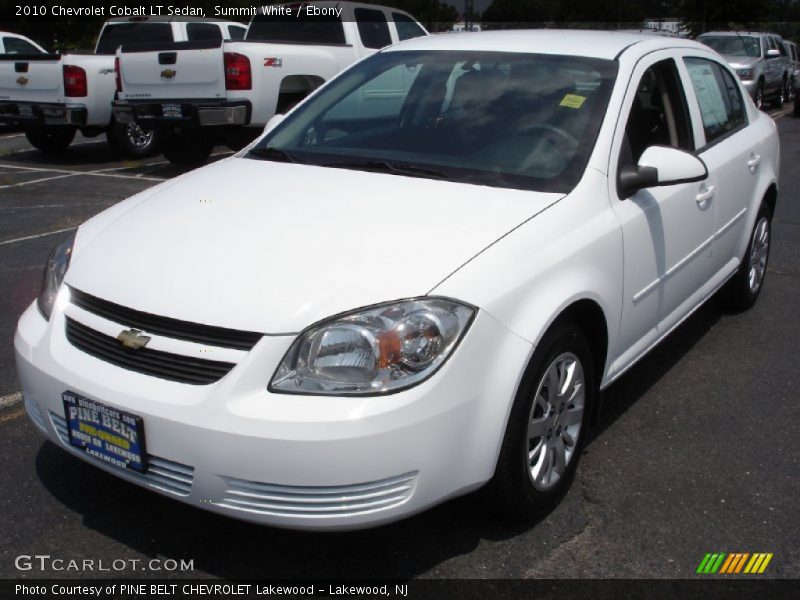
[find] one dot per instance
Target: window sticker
(709, 96)
(572, 101)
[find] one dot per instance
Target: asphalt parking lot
(696, 450)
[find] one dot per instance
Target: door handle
(705, 196)
(753, 162)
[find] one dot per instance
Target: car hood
(274, 247)
(740, 62)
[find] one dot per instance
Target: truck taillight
(237, 72)
(74, 82)
(117, 74)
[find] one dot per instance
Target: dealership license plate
(104, 432)
(172, 111)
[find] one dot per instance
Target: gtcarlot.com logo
(734, 563)
(46, 562)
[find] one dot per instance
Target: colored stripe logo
(734, 563)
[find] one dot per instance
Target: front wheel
(51, 140)
(758, 98)
(131, 141)
(741, 292)
(547, 427)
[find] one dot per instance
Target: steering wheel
(552, 144)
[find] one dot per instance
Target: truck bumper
(182, 113)
(35, 114)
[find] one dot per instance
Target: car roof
(737, 33)
(570, 42)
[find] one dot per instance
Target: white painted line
(36, 169)
(12, 135)
(11, 400)
(38, 235)
(20, 184)
(782, 113)
(120, 176)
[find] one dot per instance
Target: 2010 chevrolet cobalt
(414, 284)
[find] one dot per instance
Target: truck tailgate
(31, 78)
(177, 70)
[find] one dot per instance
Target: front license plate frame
(104, 432)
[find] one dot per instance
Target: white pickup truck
(53, 95)
(201, 93)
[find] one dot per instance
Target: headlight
(57, 266)
(373, 351)
(746, 74)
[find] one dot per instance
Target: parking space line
(10, 400)
(21, 183)
(38, 235)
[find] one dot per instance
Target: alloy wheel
(759, 252)
(555, 421)
(138, 137)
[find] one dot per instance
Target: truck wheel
(758, 99)
(187, 150)
(131, 141)
(50, 140)
(780, 97)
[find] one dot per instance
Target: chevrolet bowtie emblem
(133, 338)
(168, 73)
(22, 80)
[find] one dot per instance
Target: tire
(742, 290)
(790, 90)
(758, 99)
(131, 141)
(520, 490)
(187, 150)
(51, 140)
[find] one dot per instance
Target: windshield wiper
(276, 154)
(386, 166)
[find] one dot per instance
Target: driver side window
(659, 115)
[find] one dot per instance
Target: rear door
(730, 151)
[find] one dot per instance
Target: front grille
(161, 473)
(165, 326)
(316, 502)
(174, 367)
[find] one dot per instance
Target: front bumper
(292, 461)
(193, 113)
(36, 114)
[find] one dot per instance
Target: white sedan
(415, 284)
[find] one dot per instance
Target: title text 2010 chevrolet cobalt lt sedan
(414, 284)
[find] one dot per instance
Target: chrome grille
(166, 475)
(323, 501)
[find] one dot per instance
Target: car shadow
(220, 546)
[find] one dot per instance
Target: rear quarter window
(115, 35)
(373, 28)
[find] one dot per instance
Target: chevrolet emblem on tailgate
(22, 80)
(168, 73)
(133, 338)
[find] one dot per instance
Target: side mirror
(773, 53)
(273, 122)
(660, 166)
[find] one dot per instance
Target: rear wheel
(780, 98)
(547, 427)
(187, 149)
(51, 140)
(130, 140)
(758, 99)
(741, 292)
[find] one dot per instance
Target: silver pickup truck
(759, 59)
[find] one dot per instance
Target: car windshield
(525, 121)
(733, 45)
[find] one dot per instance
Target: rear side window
(18, 46)
(115, 35)
(236, 32)
(407, 28)
(203, 31)
(373, 28)
(718, 95)
(291, 29)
